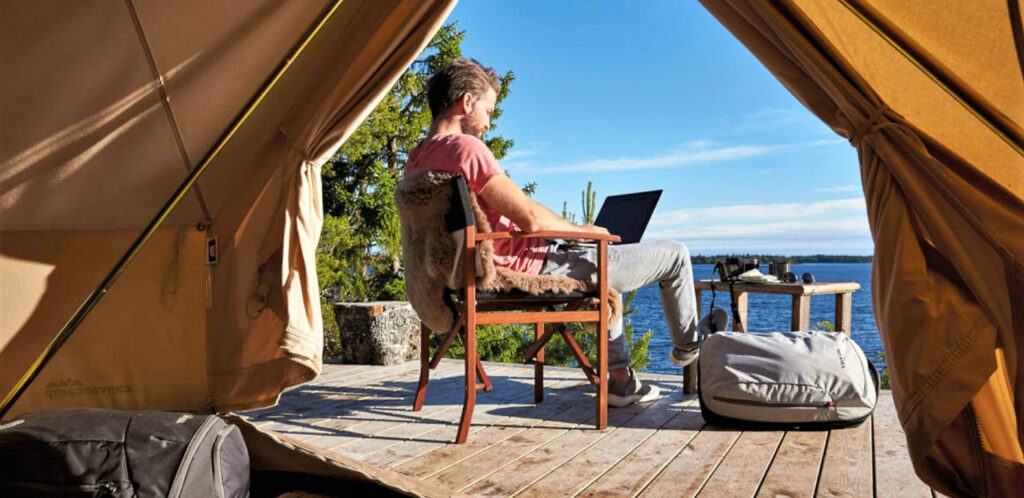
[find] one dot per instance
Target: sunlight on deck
(517, 448)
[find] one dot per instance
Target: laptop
(627, 215)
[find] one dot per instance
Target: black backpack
(94, 452)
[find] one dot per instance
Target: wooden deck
(517, 448)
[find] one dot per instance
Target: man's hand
(591, 229)
(594, 229)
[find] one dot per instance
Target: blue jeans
(631, 266)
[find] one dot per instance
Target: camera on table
(731, 268)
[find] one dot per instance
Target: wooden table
(801, 317)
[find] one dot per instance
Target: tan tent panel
(932, 95)
(105, 108)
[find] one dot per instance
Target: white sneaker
(620, 395)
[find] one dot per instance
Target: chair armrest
(549, 234)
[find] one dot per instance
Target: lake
(767, 312)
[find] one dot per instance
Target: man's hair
(457, 78)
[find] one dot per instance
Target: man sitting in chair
(462, 97)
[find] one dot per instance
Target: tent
(931, 93)
(107, 108)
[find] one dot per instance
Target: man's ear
(466, 101)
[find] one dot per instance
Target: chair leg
(446, 343)
(421, 389)
(471, 365)
(538, 368)
(602, 372)
(576, 351)
(487, 387)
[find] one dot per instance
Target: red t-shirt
(467, 155)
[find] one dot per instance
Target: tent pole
(154, 224)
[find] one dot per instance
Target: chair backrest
(460, 214)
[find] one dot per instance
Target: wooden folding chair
(477, 308)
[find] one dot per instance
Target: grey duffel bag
(785, 380)
(94, 452)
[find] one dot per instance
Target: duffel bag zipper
(103, 489)
(828, 404)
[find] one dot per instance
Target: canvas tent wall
(105, 108)
(932, 95)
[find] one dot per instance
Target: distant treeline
(766, 258)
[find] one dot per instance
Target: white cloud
(753, 212)
(774, 116)
(693, 153)
(791, 230)
(520, 153)
(835, 226)
(842, 188)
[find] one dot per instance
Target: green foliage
(505, 343)
(825, 325)
(508, 343)
(566, 214)
(883, 376)
(359, 254)
(588, 202)
(557, 352)
(332, 334)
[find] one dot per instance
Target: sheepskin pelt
(431, 254)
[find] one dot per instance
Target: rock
(378, 332)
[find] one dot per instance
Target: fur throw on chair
(433, 257)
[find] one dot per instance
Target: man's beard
(470, 128)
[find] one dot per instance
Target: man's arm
(502, 194)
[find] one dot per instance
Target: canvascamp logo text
(74, 387)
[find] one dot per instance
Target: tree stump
(378, 333)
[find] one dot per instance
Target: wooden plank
(894, 472)
(441, 458)
(780, 288)
(794, 471)
(847, 468)
(549, 234)
(446, 415)
(686, 474)
(535, 465)
(801, 317)
(741, 311)
(741, 471)
(629, 476)
(505, 398)
(378, 417)
(579, 472)
(315, 414)
(844, 312)
(532, 467)
(301, 399)
(495, 457)
(535, 316)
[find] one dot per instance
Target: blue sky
(657, 94)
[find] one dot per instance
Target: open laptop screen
(627, 215)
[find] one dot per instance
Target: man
(462, 97)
